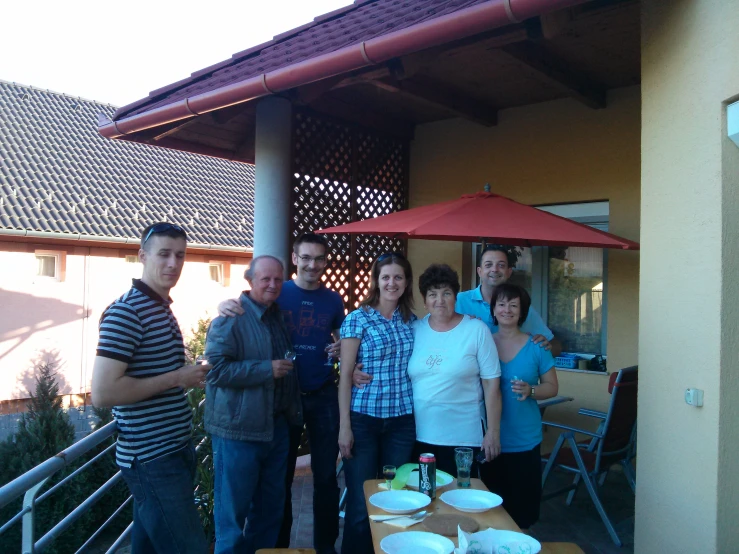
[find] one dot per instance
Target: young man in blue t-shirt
(313, 314)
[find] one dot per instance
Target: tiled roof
(58, 174)
(359, 22)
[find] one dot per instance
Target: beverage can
(427, 475)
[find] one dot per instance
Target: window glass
(216, 273)
(132, 258)
(46, 265)
(523, 272)
(575, 298)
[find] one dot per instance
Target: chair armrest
(574, 429)
(592, 413)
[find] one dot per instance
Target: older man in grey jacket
(251, 397)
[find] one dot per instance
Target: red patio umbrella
(488, 216)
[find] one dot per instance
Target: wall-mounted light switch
(694, 397)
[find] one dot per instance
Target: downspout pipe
(461, 24)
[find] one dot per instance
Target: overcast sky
(117, 51)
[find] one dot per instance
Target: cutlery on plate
(417, 515)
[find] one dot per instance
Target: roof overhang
(458, 25)
(121, 243)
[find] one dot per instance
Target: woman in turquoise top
(527, 375)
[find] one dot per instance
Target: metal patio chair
(613, 443)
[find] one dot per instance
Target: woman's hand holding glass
(520, 388)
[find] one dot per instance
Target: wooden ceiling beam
(551, 69)
(364, 116)
(440, 95)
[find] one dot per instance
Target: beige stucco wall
(554, 152)
(42, 319)
(688, 486)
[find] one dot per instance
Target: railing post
(29, 501)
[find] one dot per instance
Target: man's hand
(230, 308)
(542, 341)
(334, 350)
(359, 378)
(280, 368)
(190, 376)
(491, 445)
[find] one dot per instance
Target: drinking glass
(463, 459)
(330, 360)
(388, 472)
(201, 360)
(290, 355)
(513, 380)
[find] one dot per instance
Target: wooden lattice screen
(343, 174)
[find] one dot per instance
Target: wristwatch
(533, 391)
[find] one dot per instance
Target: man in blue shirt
(495, 268)
(313, 315)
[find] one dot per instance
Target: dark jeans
(165, 519)
(321, 415)
(249, 486)
(377, 442)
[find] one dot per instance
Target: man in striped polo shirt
(140, 372)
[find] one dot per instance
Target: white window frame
(57, 266)
(221, 271)
(593, 214)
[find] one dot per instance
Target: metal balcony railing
(30, 483)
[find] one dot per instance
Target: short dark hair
(507, 291)
(310, 238)
(405, 302)
(162, 229)
(511, 252)
(437, 276)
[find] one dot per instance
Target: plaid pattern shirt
(385, 349)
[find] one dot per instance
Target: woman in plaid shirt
(377, 426)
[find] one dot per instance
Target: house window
(568, 285)
(132, 259)
(216, 272)
(49, 266)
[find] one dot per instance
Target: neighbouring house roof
(58, 175)
(352, 24)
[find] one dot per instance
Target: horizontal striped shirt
(140, 330)
(385, 347)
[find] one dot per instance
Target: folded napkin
(496, 541)
(402, 522)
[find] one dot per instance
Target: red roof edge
(461, 24)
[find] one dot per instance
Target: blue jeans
(321, 416)
(249, 486)
(377, 442)
(165, 519)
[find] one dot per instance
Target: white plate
(416, 542)
(442, 479)
(516, 543)
(399, 502)
(471, 500)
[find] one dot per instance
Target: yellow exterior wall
(688, 486)
(554, 152)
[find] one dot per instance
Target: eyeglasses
(309, 259)
(163, 228)
(387, 255)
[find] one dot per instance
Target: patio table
(497, 518)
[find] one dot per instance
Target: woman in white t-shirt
(454, 368)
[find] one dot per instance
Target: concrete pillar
(272, 178)
(687, 494)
